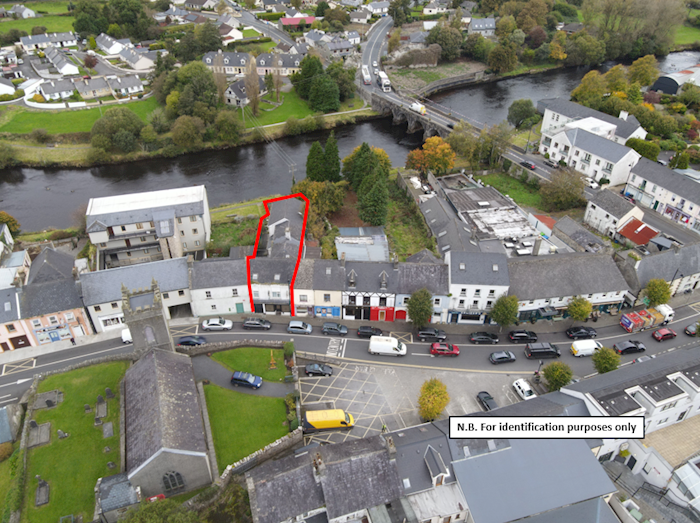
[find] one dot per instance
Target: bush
(289, 349)
(604, 181)
(6, 450)
(38, 98)
(60, 235)
(39, 135)
(85, 251)
(97, 156)
(506, 164)
(170, 151)
(293, 425)
(292, 126)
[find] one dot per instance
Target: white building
(220, 286)
(6, 86)
(62, 64)
(42, 41)
(607, 211)
(228, 63)
(433, 9)
(270, 282)
(56, 89)
(378, 8)
(21, 11)
(304, 288)
(484, 26)
(108, 44)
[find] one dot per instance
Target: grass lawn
(405, 228)
(522, 194)
(41, 236)
(262, 47)
(254, 360)
(57, 122)
(243, 423)
(53, 24)
(73, 465)
(5, 474)
(520, 139)
(225, 235)
(250, 33)
(219, 214)
(49, 7)
(292, 106)
(686, 35)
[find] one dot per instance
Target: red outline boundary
(301, 247)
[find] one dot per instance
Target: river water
(41, 198)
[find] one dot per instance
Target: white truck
(419, 108)
(384, 82)
(386, 346)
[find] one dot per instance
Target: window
(475, 304)
(128, 254)
(213, 307)
(326, 298)
(53, 320)
(114, 305)
(303, 298)
(492, 292)
(182, 233)
(576, 152)
(477, 293)
(382, 302)
(179, 220)
(69, 316)
(276, 295)
(195, 231)
(145, 251)
(461, 304)
(255, 275)
(661, 422)
(234, 292)
(365, 300)
(143, 239)
(653, 189)
(463, 292)
(634, 177)
(139, 225)
(184, 245)
(98, 308)
(196, 243)
(489, 304)
(587, 158)
(158, 249)
(256, 294)
(193, 218)
(103, 245)
(36, 324)
(208, 294)
(123, 228)
(597, 162)
(669, 405)
(351, 300)
(166, 295)
(436, 302)
(173, 481)
(180, 293)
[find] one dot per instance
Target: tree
(649, 150)
(493, 142)
(657, 292)
(208, 37)
(400, 11)
(395, 40)
(315, 170)
(420, 308)
(221, 7)
(579, 308)
(187, 131)
(433, 399)
(505, 310)
(463, 141)
(503, 58)
(344, 78)
(38, 30)
(164, 511)
(115, 31)
(439, 156)
(114, 120)
(590, 90)
(374, 205)
(584, 49)
(90, 61)
(521, 110)
(331, 159)
(505, 26)
(644, 70)
(324, 95)
(536, 37)
(321, 9)
(616, 79)
(11, 222)
(605, 359)
(252, 87)
(558, 374)
(416, 160)
(557, 47)
(228, 127)
(310, 68)
(448, 38)
(325, 197)
(277, 82)
(564, 190)
(124, 141)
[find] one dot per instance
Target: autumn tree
(505, 26)
(420, 308)
(187, 131)
(416, 160)
(252, 87)
(579, 308)
(463, 141)
(10, 221)
(220, 76)
(395, 40)
(616, 79)
(644, 70)
(503, 58)
(493, 142)
(557, 47)
(590, 90)
(557, 374)
(433, 399)
(90, 61)
(605, 360)
(565, 190)
(657, 291)
(439, 156)
(325, 197)
(505, 310)
(448, 38)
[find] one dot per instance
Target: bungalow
(229, 63)
(340, 47)
(198, 5)
(294, 23)
(175, 14)
(351, 3)
(92, 88)
(125, 85)
(56, 89)
(137, 60)
(360, 17)
(228, 33)
(353, 37)
(42, 41)
(433, 9)
(298, 49)
(6, 86)
(60, 62)
(483, 26)
(378, 8)
(314, 37)
(236, 92)
(21, 11)
(194, 18)
(108, 44)
(286, 64)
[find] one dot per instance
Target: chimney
(396, 262)
(536, 248)
(390, 447)
(676, 248)
(623, 115)
(288, 233)
(342, 260)
(319, 466)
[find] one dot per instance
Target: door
(656, 204)
(682, 415)
(128, 242)
(239, 308)
(382, 315)
(54, 336)
(454, 318)
(632, 462)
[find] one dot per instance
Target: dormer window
(226, 60)
(208, 60)
(277, 277)
(296, 63)
(262, 62)
(242, 61)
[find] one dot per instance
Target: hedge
(273, 17)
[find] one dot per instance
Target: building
(62, 64)
(607, 211)
(56, 89)
(42, 41)
(115, 496)
(21, 12)
(229, 33)
(166, 448)
(6, 86)
(284, 229)
(484, 26)
(672, 83)
(370, 291)
(378, 8)
(138, 59)
(228, 63)
(328, 286)
(577, 237)
(108, 44)
(353, 37)
(476, 281)
(198, 5)
(304, 288)
(149, 226)
(340, 47)
(433, 9)
(544, 285)
(635, 232)
(281, 63)
(15, 333)
(669, 193)
(423, 270)
(295, 24)
(92, 88)
(314, 37)
(362, 244)
(450, 232)
(122, 86)
(10, 422)
(270, 282)
(220, 286)
(360, 17)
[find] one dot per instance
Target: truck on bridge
(419, 108)
(384, 82)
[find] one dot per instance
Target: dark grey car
(431, 334)
(257, 323)
(487, 400)
(334, 328)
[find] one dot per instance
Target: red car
(663, 334)
(444, 349)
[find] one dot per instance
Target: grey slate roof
(279, 60)
(7, 82)
(578, 234)
(44, 38)
(37, 299)
(305, 274)
(106, 286)
(57, 86)
(106, 41)
(93, 84)
(511, 469)
(668, 179)
(595, 509)
(237, 89)
(100, 222)
(597, 145)
(117, 492)
(51, 265)
(432, 276)
(483, 24)
(450, 232)
(329, 275)
(479, 268)
(423, 256)
(8, 305)
(368, 277)
(230, 59)
(340, 45)
(571, 274)
(563, 106)
(125, 82)
(219, 272)
(613, 203)
(267, 268)
(162, 410)
(419, 37)
(663, 264)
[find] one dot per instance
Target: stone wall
(227, 345)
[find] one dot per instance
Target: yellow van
(327, 419)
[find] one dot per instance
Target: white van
(585, 347)
(386, 346)
(126, 336)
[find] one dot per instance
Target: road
(267, 29)
(15, 378)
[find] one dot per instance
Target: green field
(53, 24)
(49, 7)
(73, 465)
(522, 194)
(292, 106)
(687, 35)
(243, 423)
(250, 33)
(58, 122)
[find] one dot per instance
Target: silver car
(217, 324)
(299, 327)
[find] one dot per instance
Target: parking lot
(387, 396)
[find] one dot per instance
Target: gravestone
(107, 450)
(108, 393)
(107, 430)
(98, 421)
(33, 424)
(39, 434)
(100, 399)
(101, 408)
(62, 435)
(49, 404)
(42, 493)
(110, 464)
(42, 399)
(88, 408)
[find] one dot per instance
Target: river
(41, 198)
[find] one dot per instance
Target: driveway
(207, 368)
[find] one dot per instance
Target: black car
(257, 323)
(335, 329)
(487, 400)
(192, 341)
(629, 346)
(430, 334)
(528, 165)
(246, 379)
(501, 357)
(581, 332)
(521, 336)
(367, 332)
(317, 369)
(691, 330)
(483, 337)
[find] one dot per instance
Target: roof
(363, 244)
(612, 203)
(595, 509)
(308, 20)
(8, 305)
(286, 213)
(686, 259)
(266, 270)
(625, 128)
(419, 37)
(578, 234)
(480, 268)
(368, 277)
(511, 469)
(45, 38)
(423, 256)
(93, 84)
(162, 410)
(117, 492)
(126, 209)
(219, 272)
(482, 24)
(450, 232)
(51, 265)
(570, 274)
(57, 86)
(668, 179)
(104, 40)
(340, 45)
(431, 276)
(278, 60)
(125, 82)
(597, 145)
(361, 14)
(305, 275)
(637, 232)
(38, 299)
(547, 221)
(328, 275)
(229, 59)
(106, 286)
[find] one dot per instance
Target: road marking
(5, 396)
(422, 354)
(7, 401)
(336, 347)
(85, 357)
(18, 366)
(406, 337)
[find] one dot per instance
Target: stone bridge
(415, 121)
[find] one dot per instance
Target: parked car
(522, 336)
(429, 333)
(318, 369)
(367, 332)
(524, 390)
(191, 341)
(551, 163)
(581, 332)
(444, 349)
(528, 165)
(503, 356)
(246, 379)
(691, 330)
(629, 346)
(335, 329)
(487, 400)
(591, 183)
(663, 334)
(257, 323)
(483, 337)
(299, 327)
(642, 359)
(217, 324)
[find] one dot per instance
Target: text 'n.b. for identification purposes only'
(495, 427)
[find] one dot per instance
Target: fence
(661, 495)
